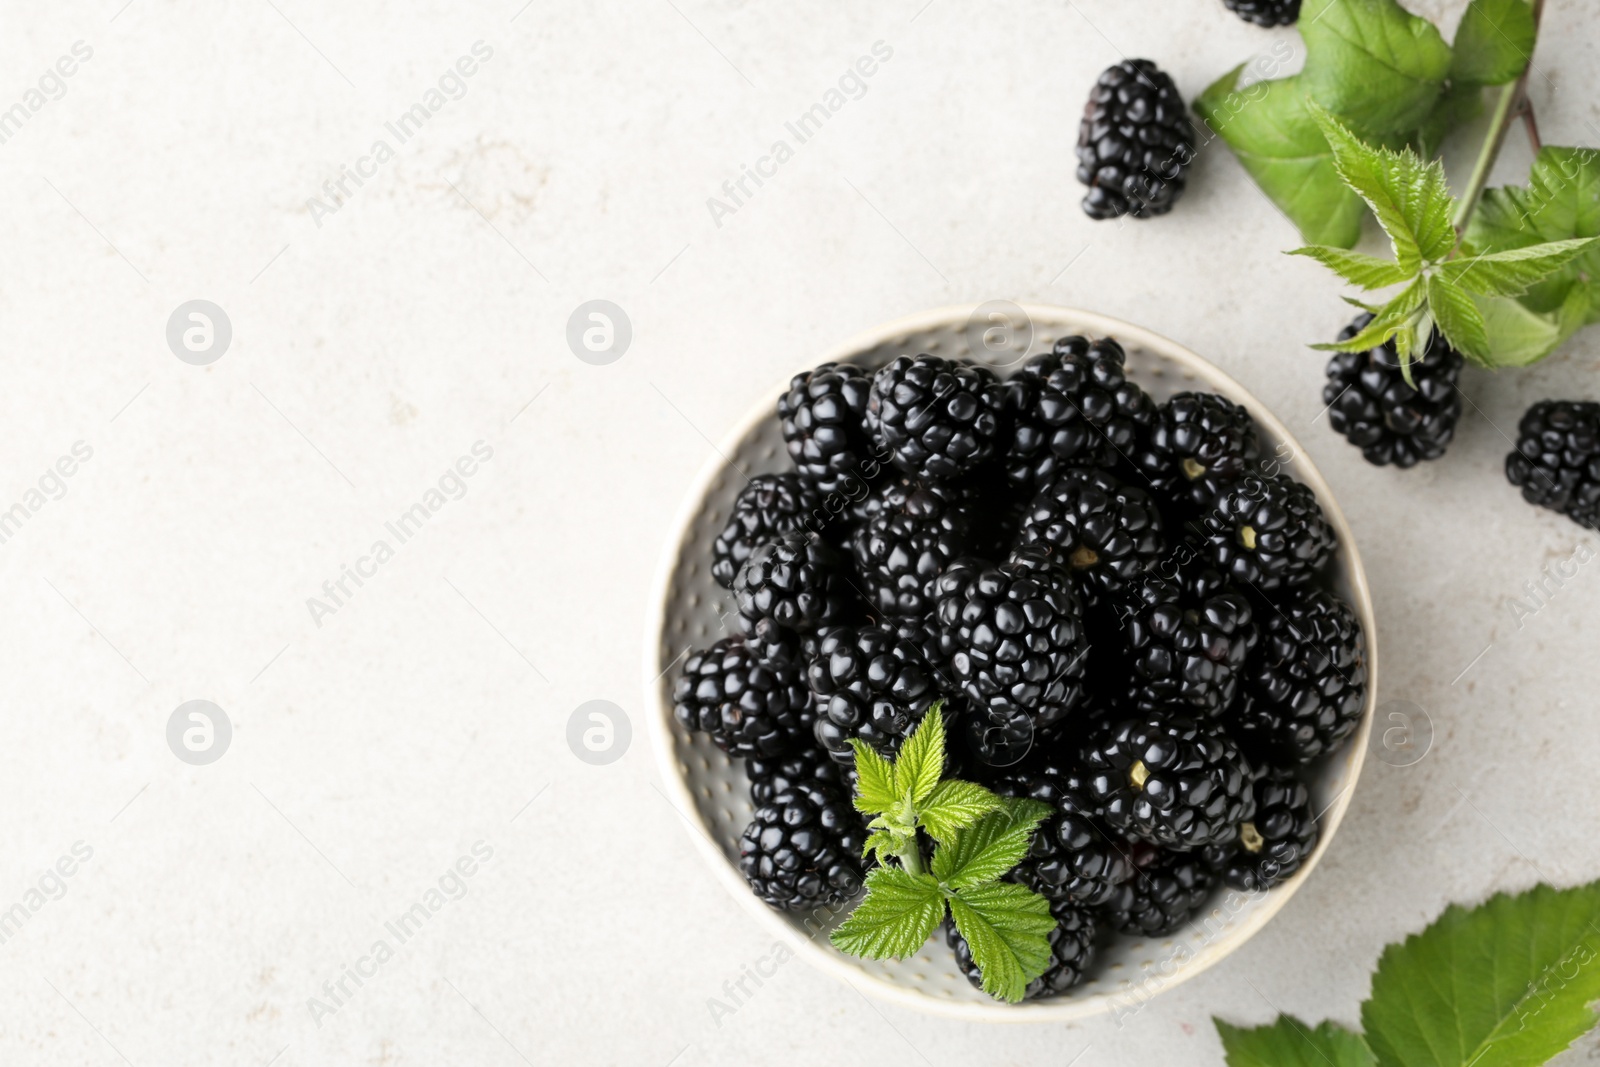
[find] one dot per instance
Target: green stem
(1510, 104)
(911, 857)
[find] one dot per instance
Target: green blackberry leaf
(895, 918)
(1357, 268)
(953, 806)
(1007, 927)
(1292, 1043)
(876, 791)
(1453, 309)
(991, 846)
(1458, 104)
(1561, 201)
(921, 762)
(1386, 321)
(1493, 43)
(1511, 272)
(1517, 336)
(1504, 984)
(1372, 63)
(1410, 197)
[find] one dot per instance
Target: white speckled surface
(430, 711)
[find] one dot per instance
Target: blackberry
(1269, 533)
(1276, 842)
(1073, 857)
(1557, 461)
(807, 765)
(1199, 443)
(1108, 533)
(1134, 143)
(771, 506)
(1307, 681)
(1072, 949)
(1370, 403)
(939, 419)
(1188, 640)
(870, 683)
(1160, 897)
(751, 707)
(914, 532)
(1169, 780)
(796, 582)
(824, 426)
(1266, 12)
(803, 849)
(1072, 407)
(1014, 635)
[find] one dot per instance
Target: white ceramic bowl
(710, 790)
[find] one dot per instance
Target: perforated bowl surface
(710, 790)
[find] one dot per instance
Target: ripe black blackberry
(1014, 636)
(1199, 443)
(1269, 533)
(1370, 403)
(1106, 532)
(805, 765)
(1274, 843)
(1134, 143)
(1266, 12)
(1169, 780)
(751, 707)
(803, 849)
(1072, 407)
(770, 506)
(1072, 949)
(796, 582)
(1188, 639)
(871, 683)
(824, 426)
(1307, 680)
(1073, 857)
(1161, 896)
(914, 532)
(939, 419)
(1557, 461)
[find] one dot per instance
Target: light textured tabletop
(399, 372)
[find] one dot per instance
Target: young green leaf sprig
(1466, 296)
(978, 838)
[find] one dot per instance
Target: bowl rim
(661, 723)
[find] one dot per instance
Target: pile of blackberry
(1121, 605)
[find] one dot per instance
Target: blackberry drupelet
(1072, 407)
(939, 419)
(1275, 842)
(1307, 680)
(770, 506)
(795, 582)
(1072, 950)
(1106, 532)
(1014, 636)
(1370, 403)
(1169, 780)
(871, 683)
(1160, 897)
(1199, 443)
(1269, 533)
(803, 849)
(1188, 639)
(1073, 857)
(914, 532)
(1557, 461)
(751, 707)
(806, 765)
(1266, 12)
(824, 425)
(1135, 142)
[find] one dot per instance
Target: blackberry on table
(769, 507)
(1370, 403)
(1557, 461)
(1200, 443)
(939, 419)
(1188, 639)
(914, 532)
(1169, 780)
(1106, 532)
(751, 707)
(823, 416)
(1073, 857)
(1275, 842)
(1266, 12)
(796, 582)
(1135, 142)
(1072, 950)
(1307, 680)
(1072, 407)
(1269, 533)
(869, 683)
(1160, 897)
(803, 849)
